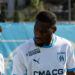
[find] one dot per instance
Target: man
(1, 65)
(46, 53)
(1, 58)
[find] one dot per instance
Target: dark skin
(0, 29)
(71, 73)
(44, 35)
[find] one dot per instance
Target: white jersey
(55, 59)
(1, 65)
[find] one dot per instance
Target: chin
(39, 44)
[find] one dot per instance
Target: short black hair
(47, 17)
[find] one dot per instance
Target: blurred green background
(26, 10)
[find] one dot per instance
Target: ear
(54, 29)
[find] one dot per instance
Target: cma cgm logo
(48, 72)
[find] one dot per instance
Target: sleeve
(70, 59)
(1, 65)
(19, 67)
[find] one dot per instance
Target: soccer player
(46, 53)
(1, 65)
(1, 58)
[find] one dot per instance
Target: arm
(19, 67)
(71, 62)
(71, 73)
(1, 64)
(0, 29)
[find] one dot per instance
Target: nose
(38, 37)
(38, 34)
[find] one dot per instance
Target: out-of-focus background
(17, 19)
(26, 10)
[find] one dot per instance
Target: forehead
(42, 26)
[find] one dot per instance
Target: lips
(38, 40)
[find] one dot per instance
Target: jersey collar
(53, 42)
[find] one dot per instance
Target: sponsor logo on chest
(48, 72)
(33, 52)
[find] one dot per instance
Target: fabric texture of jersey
(1, 65)
(55, 59)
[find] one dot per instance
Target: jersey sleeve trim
(25, 74)
(73, 69)
(53, 42)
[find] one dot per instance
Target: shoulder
(63, 41)
(23, 48)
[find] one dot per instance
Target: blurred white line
(13, 40)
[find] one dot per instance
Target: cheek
(47, 35)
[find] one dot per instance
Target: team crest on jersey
(61, 56)
(32, 52)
